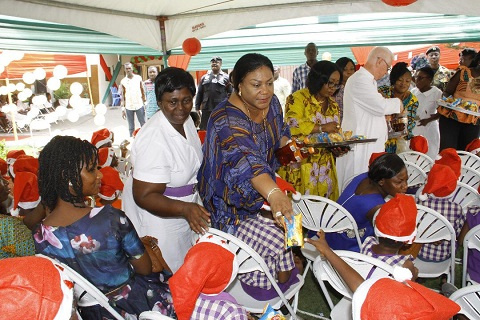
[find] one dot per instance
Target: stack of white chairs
(368, 267)
(249, 260)
(470, 242)
(470, 177)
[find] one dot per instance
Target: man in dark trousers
(213, 88)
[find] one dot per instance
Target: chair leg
(326, 294)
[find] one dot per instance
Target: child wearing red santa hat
(387, 298)
(395, 225)
(436, 194)
(449, 157)
(474, 147)
(110, 189)
(46, 293)
(25, 188)
(107, 157)
(419, 144)
(198, 286)
(267, 239)
(102, 138)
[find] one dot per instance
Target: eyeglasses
(332, 85)
(388, 67)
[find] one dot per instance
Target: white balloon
(53, 83)
(101, 108)
(21, 96)
(28, 92)
(51, 117)
(33, 113)
(3, 90)
(61, 110)
(76, 88)
(28, 77)
(2, 68)
(6, 108)
(11, 87)
(42, 99)
(35, 101)
(99, 120)
(39, 73)
(20, 86)
(17, 55)
(60, 71)
(75, 101)
(5, 60)
(73, 116)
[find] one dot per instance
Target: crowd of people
(73, 195)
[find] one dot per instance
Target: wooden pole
(12, 112)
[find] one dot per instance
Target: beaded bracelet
(272, 191)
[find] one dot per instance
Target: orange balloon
(191, 46)
(398, 3)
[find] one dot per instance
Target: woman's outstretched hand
(197, 216)
(281, 207)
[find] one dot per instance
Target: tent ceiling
(138, 21)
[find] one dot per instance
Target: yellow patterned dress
(15, 238)
(317, 174)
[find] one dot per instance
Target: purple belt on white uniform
(182, 191)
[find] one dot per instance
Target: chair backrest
(152, 315)
(470, 177)
(82, 285)
(114, 91)
(464, 195)
(468, 298)
(470, 242)
(322, 213)
(368, 267)
(433, 227)
(416, 176)
(418, 158)
(469, 159)
(249, 260)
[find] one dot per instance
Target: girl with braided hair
(99, 243)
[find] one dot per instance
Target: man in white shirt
(133, 98)
(364, 113)
(281, 87)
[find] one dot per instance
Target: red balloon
(191, 46)
(399, 3)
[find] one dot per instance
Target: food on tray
(335, 137)
(462, 104)
(347, 135)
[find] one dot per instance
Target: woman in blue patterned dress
(100, 243)
(238, 170)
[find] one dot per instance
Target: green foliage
(63, 92)
(3, 149)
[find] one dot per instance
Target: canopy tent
(30, 61)
(144, 21)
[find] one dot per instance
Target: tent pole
(161, 21)
(12, 113)
(112, 80)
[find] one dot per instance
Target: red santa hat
(285, 187)
(441, 182)
(381, 298)
(474, 146)
(101, 137)
(419, 144)
(449, 157)
(135, 132)
(375, 156)
(111, 185)
(25, 164)
(25, 191)
(105, 156)
(3, 167)
(12, 155)
(397, 219)
(208, 268)
(46, 293)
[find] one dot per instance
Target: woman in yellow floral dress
(313, 110)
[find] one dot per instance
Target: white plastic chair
(469, 159)
(368, 267)
(464, 195)
(470, 242)
(468, 298)
(433, 227)
(152, 315)
(418, 158)
(470, 177)
(322, 213)
(85, 293)
(416, 175)
(249, 260)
